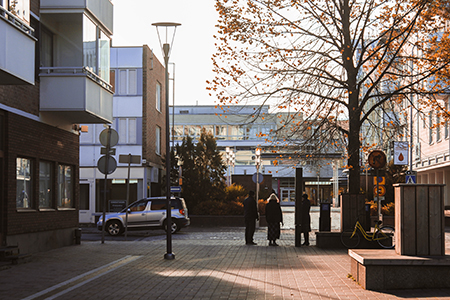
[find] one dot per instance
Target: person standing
(305, 218)
(250, 216)
(274, 217)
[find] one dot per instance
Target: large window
(46, 47)
(127, 82)
(65, 187)
(24, 183)
(158, 140)
(158, 96)
(95, 49)
(45, 185)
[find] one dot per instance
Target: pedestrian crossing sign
(410, 179)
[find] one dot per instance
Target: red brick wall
(152, 117)
(37, 141)
(34, 6)
(23, 97)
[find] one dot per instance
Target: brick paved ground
(209, 264)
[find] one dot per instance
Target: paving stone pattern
(208, 264)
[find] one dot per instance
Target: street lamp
(230, 160)
(258, 164)
(166, 47)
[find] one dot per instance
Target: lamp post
(166, 47)
(230, 159)
(258, 164)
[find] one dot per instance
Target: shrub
(234, 192)
(387, 209)
(262, 207)
(212, 207)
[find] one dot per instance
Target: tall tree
(331, 60)
(202, 169)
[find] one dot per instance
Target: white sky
(192, 48)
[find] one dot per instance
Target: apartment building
(54, 75)
(139, 119)
(242, 130)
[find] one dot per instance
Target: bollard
(77, 234)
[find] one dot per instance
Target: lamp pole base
(169, 256)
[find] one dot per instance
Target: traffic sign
(114, 138)
(410, 179)
(260, 177)
(175, 189)
(112, 165)
(377, 159)
(381, 190)
(381, 180)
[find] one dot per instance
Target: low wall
(221, 221)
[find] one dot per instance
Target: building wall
(153, 71)
(37, 141)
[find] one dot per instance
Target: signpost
(411, 177)
(108, 138)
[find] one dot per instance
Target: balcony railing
(70, 71)
(15, 21)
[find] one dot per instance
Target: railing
(15, 21)
(68, 71)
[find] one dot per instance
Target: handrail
(15, 21)
(77, 70)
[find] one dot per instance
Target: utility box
(419, 219)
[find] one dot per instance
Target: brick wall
(151, 116)
(37, 141)
(23, 97)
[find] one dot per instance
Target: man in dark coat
(305, 219)
(274, 217)
(250, 216)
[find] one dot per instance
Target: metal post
(298, 205)
(108, 148)
(128, 196)
(169, 254)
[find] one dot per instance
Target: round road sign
(112, 165)
(377, 159)
(104, 137)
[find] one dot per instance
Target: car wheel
(114, 228)
(174, 228)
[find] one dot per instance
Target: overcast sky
(193, 44)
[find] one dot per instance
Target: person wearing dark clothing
(274, 217)
(250, 216)
(305, 218)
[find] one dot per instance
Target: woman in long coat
(274, 217)
(305, 219)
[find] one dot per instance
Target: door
(137, 217)
(85, 211)
(157, 212)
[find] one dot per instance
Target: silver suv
(149, 213)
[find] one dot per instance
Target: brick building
(54, 74)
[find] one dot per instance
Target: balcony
(102, 10)
(75, 94)
(17, 50)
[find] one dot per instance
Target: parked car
(148, 213)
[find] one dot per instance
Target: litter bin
(325, 217)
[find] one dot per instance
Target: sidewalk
(208, 265)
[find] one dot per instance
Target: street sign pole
(108, 145)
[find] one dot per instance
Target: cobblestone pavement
(208, 264)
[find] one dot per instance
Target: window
(127, 82)
(95, 49)
(84, 196)
(127, 130)
(438, 128)
(140, 206)
(20, 8)
(24, 182)
(46, 47)
(45, 185)
(158, 140)
(430, 128)
(158, 96)
(65, 187)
